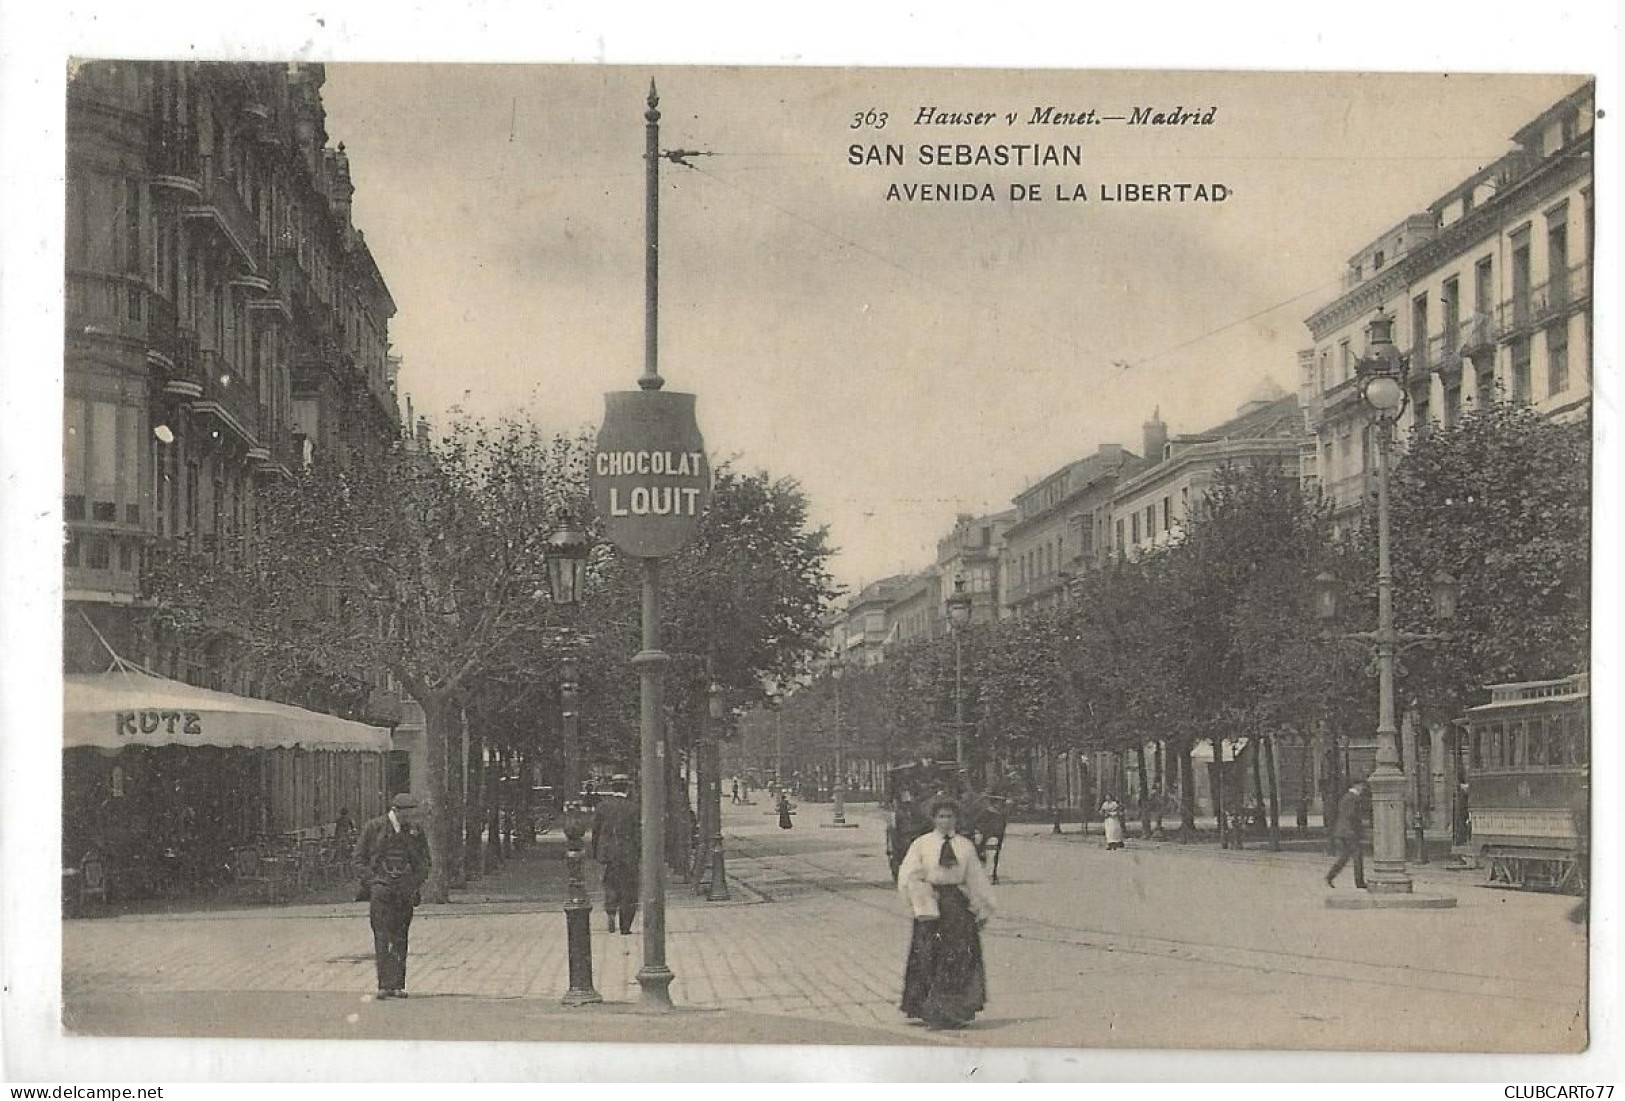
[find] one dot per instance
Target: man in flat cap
(392, 861)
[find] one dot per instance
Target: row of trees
(429, 563)
(1216, 639)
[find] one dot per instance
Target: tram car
(1528, 792)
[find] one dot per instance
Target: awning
(115, 709)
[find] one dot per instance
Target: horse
(983, 820)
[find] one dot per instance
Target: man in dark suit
(617, 844)
(392, 861)
(1348, 833)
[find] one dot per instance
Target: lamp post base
(1376, 900)
(656, 984)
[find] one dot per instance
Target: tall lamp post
(566, 578)
(1382, 374)
(959, 611)
(838, 792)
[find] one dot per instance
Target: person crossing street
(1348, 831)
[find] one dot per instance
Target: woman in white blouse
(946, 886)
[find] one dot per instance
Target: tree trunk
(1187, 793)
(455, 810)
(1218, 792)
(1274, 793)
(439, 723)
(1145, 791)
(1256, 742)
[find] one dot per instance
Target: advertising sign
(651, 480)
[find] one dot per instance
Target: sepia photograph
(855, 556)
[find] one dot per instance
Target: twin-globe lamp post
(1383, 374)
(959, 613)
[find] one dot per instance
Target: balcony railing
(1422, 359)
(223, 210)
(227, 395)
(1477, 333)
(106, 305)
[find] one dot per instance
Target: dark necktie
(947, 859)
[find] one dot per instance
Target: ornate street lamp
(567, 551)
(959, 613)
(566, 562)
(1382, 376)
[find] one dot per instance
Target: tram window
(1535, 741)
(1517, 744)
(1494, 753)
(1557, 741)
(1475, 751)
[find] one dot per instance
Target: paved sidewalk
(501, 938)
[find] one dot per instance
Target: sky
(903, 361)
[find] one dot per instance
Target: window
(1557, 358)
(1450, 299)
(1135, 527)
(1185, 492)
(1520, 369)
(1167, 513)
(1377, 261)
(1484, 286)
(1119, 535)
(132, 225)
(1557, 255)
(96, 553)
(191, 499)
(1345, 361)
(1150, 520)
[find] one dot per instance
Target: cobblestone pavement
(1157, 945)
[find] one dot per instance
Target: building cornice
(1212, 454)
(1548, 176)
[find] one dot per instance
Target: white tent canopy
(124, 707)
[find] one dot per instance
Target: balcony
(1516, 315)
(1421, 353)
(104, 305)
(223, 213)
(1568, 291)
(102, 562)
(1477, 335)
(228, 398)
(172, 348)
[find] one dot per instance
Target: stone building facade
(225, 322)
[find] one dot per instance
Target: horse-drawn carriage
(910, 789)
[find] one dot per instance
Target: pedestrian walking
(617, 845)
(1112, 812)
(784, 811)
(947, 889)
(736, 798)
(392, 862)
(1348, 833)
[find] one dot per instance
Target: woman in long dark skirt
(944, 983)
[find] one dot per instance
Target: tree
(427, 562)
(1502, 501)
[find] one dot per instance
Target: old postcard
(890, 557)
